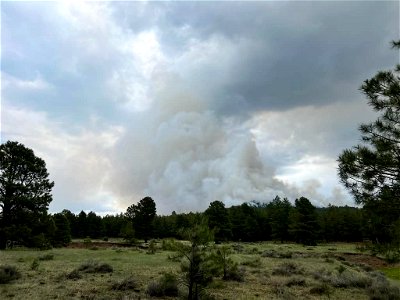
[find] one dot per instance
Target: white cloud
(36, 84)
(79, 164)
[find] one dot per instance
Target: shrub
(8, 273)
(366, 268)
(321, 289)
(322, 275)
(348, 279)
(167, 285)
(276, 254)
(46, 257)
(35, 264)
(168, 245)
(298, 281)
(128, 283)
(288, 269)
(105, 239)
(392, 256)
(154, 289)
(380, 290)
(91, 266)
(281, 291)
(87, 242)
(341, 269)
(152, 247)
(74, 275)
(235, 273)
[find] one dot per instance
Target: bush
(95, 267)
(128, 283)
(8, 273)
(87, 242)
(35, 264)
(321, 289)
(165, 286)
(235, 273)
(380, 290)
(288, 269)
(348, 279)
(168, 245)
(152, 247)
(298, 281)
(276, 254)
(74, 275)
(154, 289)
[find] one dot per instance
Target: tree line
(277, 220)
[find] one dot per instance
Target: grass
(392, 272)
(303, 276)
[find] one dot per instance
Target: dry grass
(307, 275)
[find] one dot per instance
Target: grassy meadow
(271, 271)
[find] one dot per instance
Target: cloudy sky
(189, 102)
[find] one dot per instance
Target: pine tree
(371, 170)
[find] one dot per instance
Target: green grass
(50, 281)
(392, 273)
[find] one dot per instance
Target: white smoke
(185, 156)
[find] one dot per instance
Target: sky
(191, 102)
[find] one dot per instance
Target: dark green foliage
(152, 247)
(304, 224)
(197, 267)
(218, 220)
(234, 272)
(62, 234)
(128, 233)
(243, 222)
(8, 274)
(35, 264)
(142, 216)
(278, 213)
(126, 284)
(91, 266)
(340, 223)
(321, 289)
(229, 269)
(25, 193)
(74, 275)
(94, 226)
(371, 170)
(167, 285)
(276, 254)
(169, 245)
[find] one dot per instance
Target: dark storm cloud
(298, 53)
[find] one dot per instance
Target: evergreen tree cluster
(278, 220)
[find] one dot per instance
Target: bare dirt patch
(373, 261)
